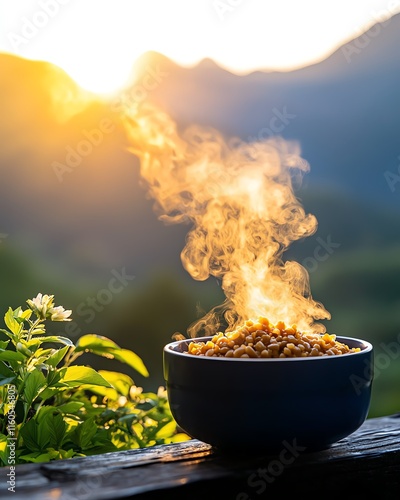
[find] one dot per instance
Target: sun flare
(101, 77)
(97, 42)
(101, 81)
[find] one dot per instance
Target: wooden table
(365, 464)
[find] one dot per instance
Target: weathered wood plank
(365, 462)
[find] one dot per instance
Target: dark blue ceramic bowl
(264, 404)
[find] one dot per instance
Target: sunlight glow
(98, 41)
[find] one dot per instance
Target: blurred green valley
(358, 286)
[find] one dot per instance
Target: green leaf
(35, 436)
(34, 382)
(131, 359)
(10, 335)
(105, 347)
(56, 428)
(41, 356)
(36, 457)
(166, 430)
(63, 453)
(11, 356)
(56, 339)
(110, 393)
(13, 325)
(74, 376)
(53, 376)
(20, 347)
(120, 381)
(95, 342)
(38, 330)
(32, 344)
(3, 449)
(25, 314)
(49, 392)
(3, 344)
(84, 433)
(70, 408)
(5, 381)
(58, 356)
(17, 313)
(5, 371)
(127, 420)
(20, 316)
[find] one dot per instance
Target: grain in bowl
(263, 339)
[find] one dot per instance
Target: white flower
(162, 392)
(135, 392)
(59, 314)
(41, 304)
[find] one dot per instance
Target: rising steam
(239, 198)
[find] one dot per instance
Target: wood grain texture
(365, 464)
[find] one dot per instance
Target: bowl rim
(169, 348)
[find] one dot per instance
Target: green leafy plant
(52, 408)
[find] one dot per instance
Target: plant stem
(33, 325)
(70, 358)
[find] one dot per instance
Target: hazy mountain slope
(344, 115)
(344, 111)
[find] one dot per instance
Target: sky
(97, 41)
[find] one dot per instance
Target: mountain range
(343, 111)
